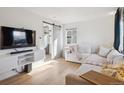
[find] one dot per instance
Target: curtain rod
(51, 23)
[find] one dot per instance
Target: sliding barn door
(57, 41)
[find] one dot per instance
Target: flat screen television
(16, 38)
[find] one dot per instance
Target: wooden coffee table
(97, 78)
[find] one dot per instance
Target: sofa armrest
(72, 79)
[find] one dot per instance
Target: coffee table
(97, 78)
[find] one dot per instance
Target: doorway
(52, 39)
(48, 29)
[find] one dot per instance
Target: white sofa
(87, 66)
(77, 53)
(93, 62)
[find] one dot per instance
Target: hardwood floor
(52, 73)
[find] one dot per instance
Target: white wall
(21, 18)
(95, 32)
(17, 17)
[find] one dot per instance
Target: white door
(57, 41)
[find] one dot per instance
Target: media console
(19, 61)
(16, 60)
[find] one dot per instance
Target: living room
(38, 44)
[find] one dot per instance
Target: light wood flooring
(52, 73)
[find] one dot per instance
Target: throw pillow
(103, 51)
(112, 55)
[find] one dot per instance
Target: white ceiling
(71, 14)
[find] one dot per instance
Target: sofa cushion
(83, 52)
(87, 67)
(84, 49)
(95, 59)
(103, 51)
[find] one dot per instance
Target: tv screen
(19, 38)
(16, 38)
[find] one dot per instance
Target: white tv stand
(9, 63)
(13, 61)
(24, 58)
